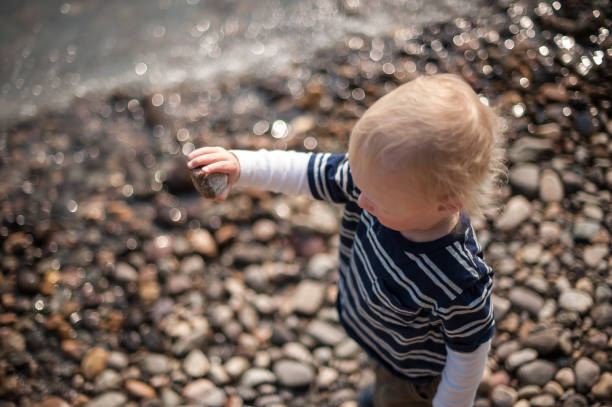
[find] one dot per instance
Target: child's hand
(216, 159)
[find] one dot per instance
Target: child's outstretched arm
(277, 171)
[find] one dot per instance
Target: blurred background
(121, 286)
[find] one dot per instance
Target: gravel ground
(120, 285)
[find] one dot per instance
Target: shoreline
(119, 285)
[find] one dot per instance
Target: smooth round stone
(192, 265)
(587, 374)
(308, 297)
(525, 299)
(520, 357)
(525, 178)
(214, 398)
(297, 351)
(155, 363)
(321, 264)
(107, 380)
(575, 400)
(178, 283)
(326, 376)
(292, 373)
(566, 377)
(538, 372)
(196, 364)
(236, 366)
(140, 389)
(325, 333)
(126, 273)
(551, 187)
(256, 376)
(575, 300)
(53, 402)
(501, 306)
(544, 342)
(542, 400)
(110, 399)
(117, 360)
(595, 255)
(602, 315)
(603, 388)
(529, 391)
(94, 362)
(516, 211)
(586, 229)
(197, 389)
(209, 185)
(503, 396)
(170, 398)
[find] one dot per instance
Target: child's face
(397, 205)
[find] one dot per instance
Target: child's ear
(450, 205)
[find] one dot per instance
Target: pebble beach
(121, 286)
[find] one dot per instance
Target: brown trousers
(391, 391)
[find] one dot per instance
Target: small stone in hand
(209, 185)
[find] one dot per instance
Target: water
(54, 50)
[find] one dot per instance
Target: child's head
(432, 137)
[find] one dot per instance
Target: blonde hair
(435, 131)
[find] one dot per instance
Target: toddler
(414, 290)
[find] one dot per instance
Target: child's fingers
(208, 158)
(204, 150)
(227, 167)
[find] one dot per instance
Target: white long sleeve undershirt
(287, 172)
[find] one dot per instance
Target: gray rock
(308, 297)
(110, 399)
(542, 400)
(537, 372)
(501, 306)
(551, 187)
(544, 342)
(170, 398)
(516, 211)
(530, 149)
(196, 364)
(256, 376)
(525, 299)
(520, 357)
(209, 185)
(575, 400)
(524, 178)
(321, 264)
(236, 366)
(192, 265)
(155, 363)
(117, 360)
(291, 373)
(575, 300)
(585, 229)
(503, 396)
(126, 273)
(587, 373)
(215, 397)
(325, 332)
(188, 342)
(602, 315)
(594, 255)
(107, 380)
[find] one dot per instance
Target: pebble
(602, 390)
(575, 300)
(196, 364)
(516, 211)
(291, 373)
(52, 402)
(94, 362)
(520, 357)
(170, 398)
(256, 376)
(325, 332)
(544, 342)
(503, 396)
(140, 389)
(602, 315)
(108, 399)
(542, 400)
(236, 366)
(551, 187)
(587, 373)
(594, 255)
(565, 376)
(538, 372)
(155, 364)
(308, 297)
(197, 389)
(525, 299)
(586, 229)
(524, 178)
(107, 380)
(530, 149)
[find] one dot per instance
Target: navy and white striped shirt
(403, 301)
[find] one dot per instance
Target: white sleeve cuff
(277, 171)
